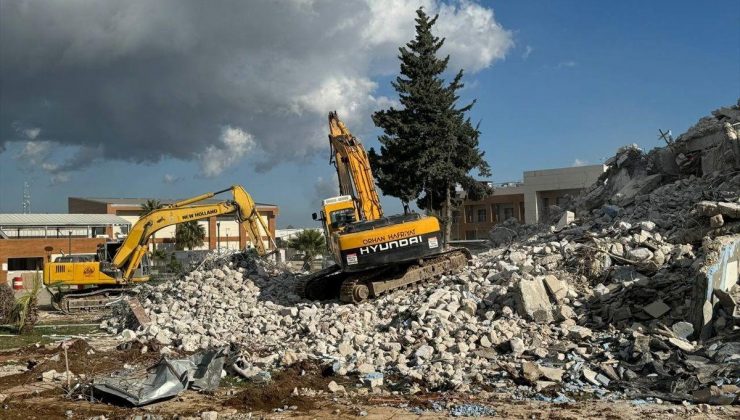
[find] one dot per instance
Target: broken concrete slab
(656, 309)
(552, 374)
(566, 219)
(682, 329)
(533, 301)
(731, 210)
(556, 287)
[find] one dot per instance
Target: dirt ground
(30, 398)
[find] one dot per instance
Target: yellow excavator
(120, 264)
(374, 253)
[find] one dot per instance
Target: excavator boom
(123, 267)
(353, 169)
(135, 246)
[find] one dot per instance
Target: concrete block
(533, 301)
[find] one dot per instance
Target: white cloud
(170, 179)
(32, 133)
(35, 152)
(527, 52)
(37, 155)
(579, 162)
(566, 64)
(235, 143)
(59, 178)
(474, 39)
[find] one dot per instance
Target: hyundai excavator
(120, 264)
(374, 254)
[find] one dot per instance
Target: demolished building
(632, 293)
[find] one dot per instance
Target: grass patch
(233, 381)
(10, 339)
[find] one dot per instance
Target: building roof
(123, 201)
(60, 219)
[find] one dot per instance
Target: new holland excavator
(374, 253)
(120, 264)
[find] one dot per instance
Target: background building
(28, 240)
(222, 231)
(527, 201)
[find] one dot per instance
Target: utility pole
(70, 242)
(218, 236)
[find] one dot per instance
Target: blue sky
(580, 80)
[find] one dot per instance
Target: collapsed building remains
(630, 292)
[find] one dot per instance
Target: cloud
(324, 188)
(579, 162)
(140, 81)
(566, 64)
(527, 52)
(170, 179)
(234, 145)
(35, 152)
(37, 155)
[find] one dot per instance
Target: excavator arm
(353, 169)
(134, 247)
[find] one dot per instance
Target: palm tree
(189, 235)
(309, 241)
(148, 207)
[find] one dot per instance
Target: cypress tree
(429, 146)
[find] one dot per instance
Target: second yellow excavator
(373, 253)
(120, 264)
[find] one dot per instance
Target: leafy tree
(148, 207)
(158, 257)
(189, 235)
(174, 265)
(309, 241)
(429, 145)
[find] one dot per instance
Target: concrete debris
(632, 293)
(657, 309)
(335, 388)
(533, 300)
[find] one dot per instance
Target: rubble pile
(608, 301)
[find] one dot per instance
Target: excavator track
(320, 285)
(79, 300)
(358, 287)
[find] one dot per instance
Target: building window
(481, 215)
(469, 235)
(468, 215)
(508, 213)
(25, 264)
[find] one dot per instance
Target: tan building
(526, 201)
(27, 241)
(221, 232)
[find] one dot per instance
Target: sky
(175, 98)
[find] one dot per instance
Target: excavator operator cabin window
(342, 217)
